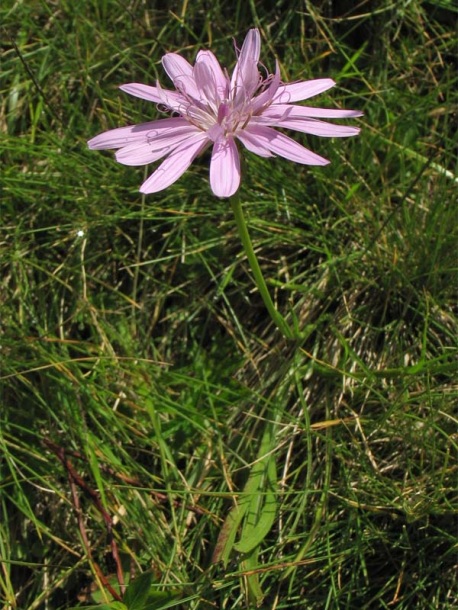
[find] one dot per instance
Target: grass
(155, 427)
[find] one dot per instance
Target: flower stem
(256, 269)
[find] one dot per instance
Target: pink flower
(212, 109)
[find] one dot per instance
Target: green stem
(256, 269)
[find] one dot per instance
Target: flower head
(211, 109)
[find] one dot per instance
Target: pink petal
(206, 84)
(295, 92)
(222, 82)
(311, 126)
(279, 144)
(122, 136)
(225, 168)
(176, 66)
(182, 74)
(266, 96)
(319, 128)
(175, 165)
(140, 154)
(251, 48)
(156, 147)
(245, 78)
(172, 99)
(276, 110)
(253, 145)
(145, 92)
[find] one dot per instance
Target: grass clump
(161, 445)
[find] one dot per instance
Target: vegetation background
(145, 390)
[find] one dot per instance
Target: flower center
(224, 117)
